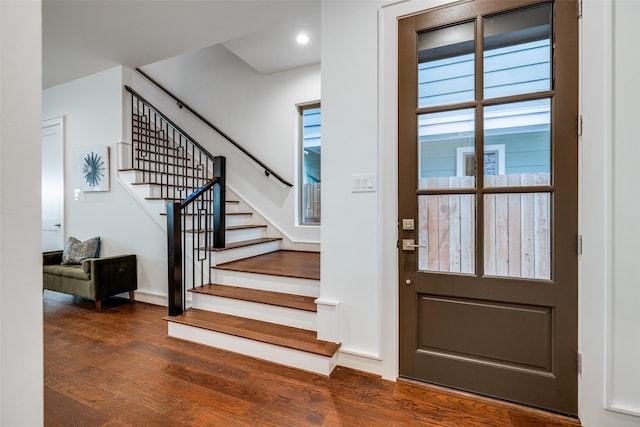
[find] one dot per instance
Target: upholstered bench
(93, 278)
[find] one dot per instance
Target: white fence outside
(311, 203)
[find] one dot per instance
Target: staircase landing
(302, 265)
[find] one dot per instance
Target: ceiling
(82, 37)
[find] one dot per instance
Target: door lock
(407, 282)
(408, 224)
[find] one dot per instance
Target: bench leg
(132, 296)
(99, 305)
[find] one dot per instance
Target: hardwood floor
(118, 368)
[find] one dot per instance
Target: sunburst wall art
(92, 167)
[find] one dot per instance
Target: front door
(488, 99)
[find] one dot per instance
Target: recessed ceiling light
(302, 39)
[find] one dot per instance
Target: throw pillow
(75, 251)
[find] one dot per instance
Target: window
(493, 160)
(309, 174)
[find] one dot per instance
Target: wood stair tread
(271, 333)
(168, 199)
(147, 171)
(226, 213)
(303, 265)
(298, 302)
(230, 228)
(159, 156)
(243, 243)
(176, 199)
(234, 202)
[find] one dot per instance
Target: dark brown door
(488, 199)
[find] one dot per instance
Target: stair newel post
(219, 201)
(174, 245)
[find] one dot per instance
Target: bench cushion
(72, 271)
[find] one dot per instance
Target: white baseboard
(155, 298)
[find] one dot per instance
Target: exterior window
(310, 153)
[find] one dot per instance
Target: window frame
(301, 108)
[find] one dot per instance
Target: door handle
(57, 225)
(410, 245)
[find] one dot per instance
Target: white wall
(21, 383)
(350, 239)
(93, 110)
(257, 110)
(624, 295)
(609, 293)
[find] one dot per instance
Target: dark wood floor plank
(178, 411)
(137, 376)
(304, 265)
(63, 411)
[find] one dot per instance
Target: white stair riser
(234, 254)
(155, 184)
(230, 220)
(310, 362)
(231, 236)
(266, 282)
(252, 310)
(156, 170)
(239, 219)
(154, 191)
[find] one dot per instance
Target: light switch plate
(364, 183)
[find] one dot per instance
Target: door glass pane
(517, 235)
(517, 52)
(517, 138)
(446, 233)
(444, 141)
(446, 65)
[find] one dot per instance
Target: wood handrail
(181, 104)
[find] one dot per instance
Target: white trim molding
(622, 373)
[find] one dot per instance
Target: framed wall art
(92, 167)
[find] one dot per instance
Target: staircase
(247, 295)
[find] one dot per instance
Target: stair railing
(191, 182)
(181, 104)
